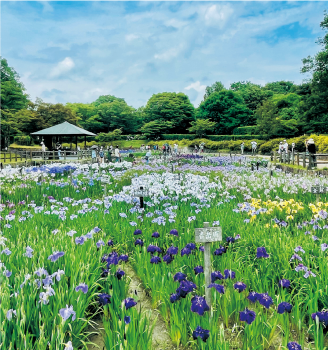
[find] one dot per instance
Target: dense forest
(244, 108)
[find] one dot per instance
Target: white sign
(105, 179)
(208, 234)
(319, 189)
(141, 193)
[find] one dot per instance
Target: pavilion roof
(65, 129)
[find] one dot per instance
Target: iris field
(66, 239)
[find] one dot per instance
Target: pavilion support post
(76, 142)
(85, 142)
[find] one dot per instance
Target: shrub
(22, 140)
(245, 130)
(179, 136)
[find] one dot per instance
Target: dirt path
(161, 339)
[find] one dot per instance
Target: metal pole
(207, 269)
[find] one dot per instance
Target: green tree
(155, 129)
(314, 106)
(252, 94)
(227, 109)
(170, 107)
(201, 126)
(106, 99)
(216, 87)
(280, 87)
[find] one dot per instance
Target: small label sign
(105, 179)
(141, 193)
(318, 189)
(208, 234)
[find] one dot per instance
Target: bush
(273, 145)
(179, 136)
(245, 130)
(235, 137)
(111, 136)
(23, 140)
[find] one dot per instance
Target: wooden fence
(306, 160)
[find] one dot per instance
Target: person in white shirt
(285, 146)
(254, 145)
(117, 154)
(242, 147)
(43, 147)
(280, 147)
(175, 148)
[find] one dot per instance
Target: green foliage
(179, 136)
(227, 109)
(106, 99)
(156, 128)
(245, 130)
(216, 87)
(252, 94)
(200, 126)
(281, 87)
(235, 137)
(111, 136)
(170, 107)
(23, 140)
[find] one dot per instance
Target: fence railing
(304, 159)
(31, 155)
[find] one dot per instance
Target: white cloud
(62, 67)
(131, 37)
(46, 6)
(167, 55)
(196, 86)
(217, 15)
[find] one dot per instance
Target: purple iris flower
(167, 258)
(247, 315)
(191, 246)
(153, 248)
(104, 272)
(253, 297)
(284, 307)
(127, 319)
(96, 229)
(139, 242)
(202, 248)
(219, 288)
(67, 312)
(155, 259)
(185, 251)
(261, 253)
(123, 257)
(229, 274)
(137, 232)
(174, 297)
(198, 269)
(220, 251)
(322, 317)
(104, 299)
(55, 256)
(216, 275)
(240, 286)
(110, 242)
(179, 276)
(155, 235)
(112, 259)
(265, 300)
(129, 302)
(199, 305)
(7, 273)
(185, 288)
(119, 274)
(173, 250)
(294, 346)
(174, 232)
(230, 240)
(201, 333)
(100, 243)
(79, 240)
(284, 283)
(83, 287)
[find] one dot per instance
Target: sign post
(105, 179)
(141, 193)
(207, 235)
(318, 190)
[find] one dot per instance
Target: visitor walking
(43, 146)
(312, 152)
(242, 147)
(117, 154)
(196, 149)
(254, 145)
(101, 155)
(285, 146)
(148, 155)
(175, 149)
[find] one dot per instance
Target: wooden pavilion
(55, 133)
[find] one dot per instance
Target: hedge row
(180, 137)
(245, 130)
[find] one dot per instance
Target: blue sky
(77, 51)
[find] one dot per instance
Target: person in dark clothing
(312, 151)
